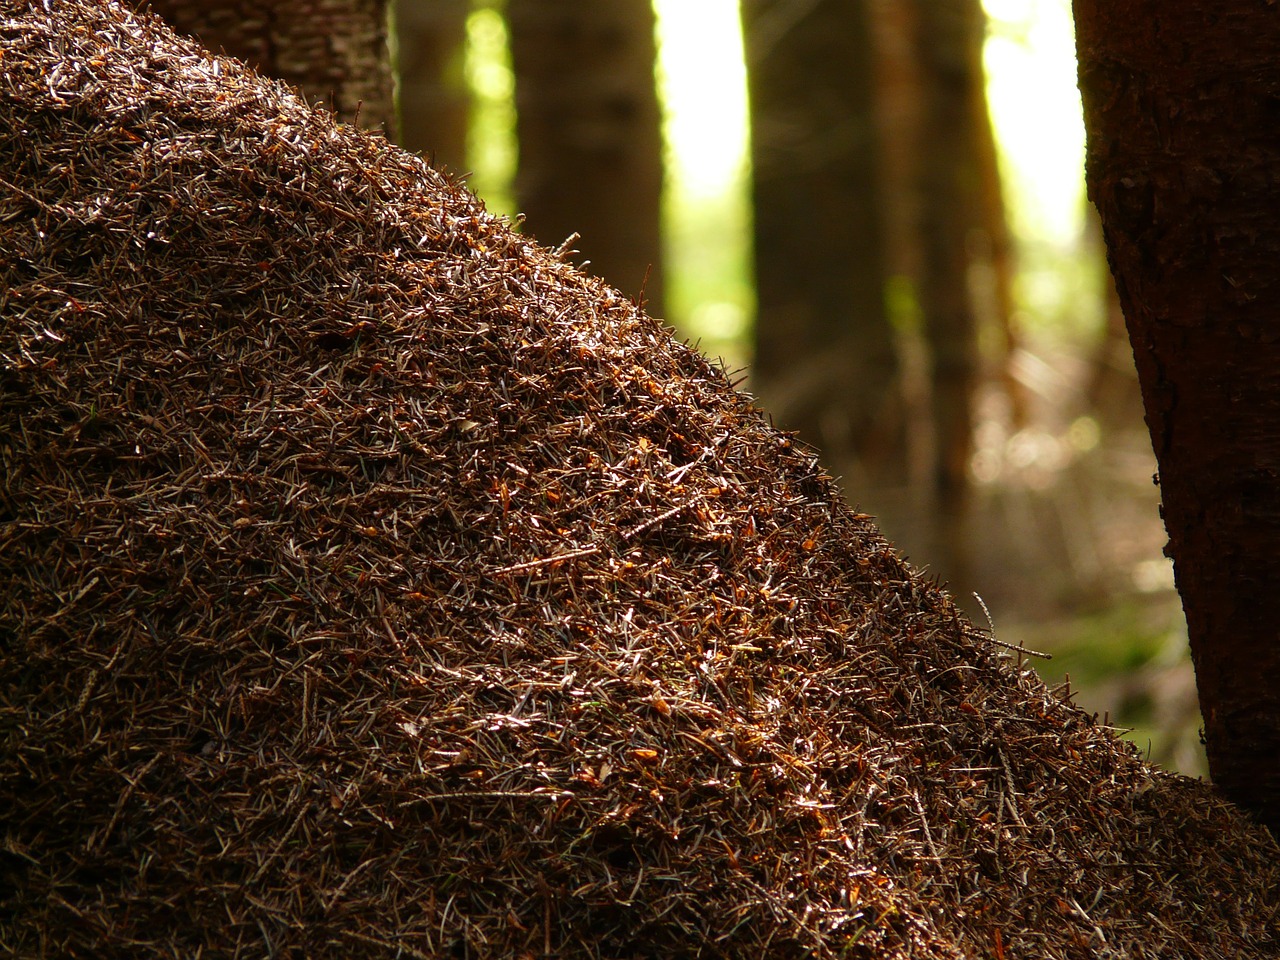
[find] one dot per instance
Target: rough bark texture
(1181, 106)
(825, 356)
(1112, 395)
(334, 51)
(590, 134)
(433, 104)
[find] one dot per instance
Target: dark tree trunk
(949, 41)
(590, 134)
(1182, 108)
(1112, 393)
(825, 355)
(332, 50)
(433, 103)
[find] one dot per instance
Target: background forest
(873, 213)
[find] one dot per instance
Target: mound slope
(376, 584)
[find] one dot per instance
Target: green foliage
(1120, 639)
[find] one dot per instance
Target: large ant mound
(377, 585)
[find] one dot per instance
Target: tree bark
(1112, 393)
(590, 134)
(825, 354)
(433, 103)
(1182, 103)
(332, 50)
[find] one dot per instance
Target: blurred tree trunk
(590, 134)
(993, 244)
(898, 106)
(951, 177)
(332, 50)
(1184, 167)
(433, 103)
(826, 359)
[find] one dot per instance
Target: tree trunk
(951, 183)
(825, 355)
(1181, 108)
(997, 252)
(1111, 393)
(433, 104)
(332, 50)
(590, 134)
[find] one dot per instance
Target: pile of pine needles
(377, 584)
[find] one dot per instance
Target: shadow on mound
(378, 585)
